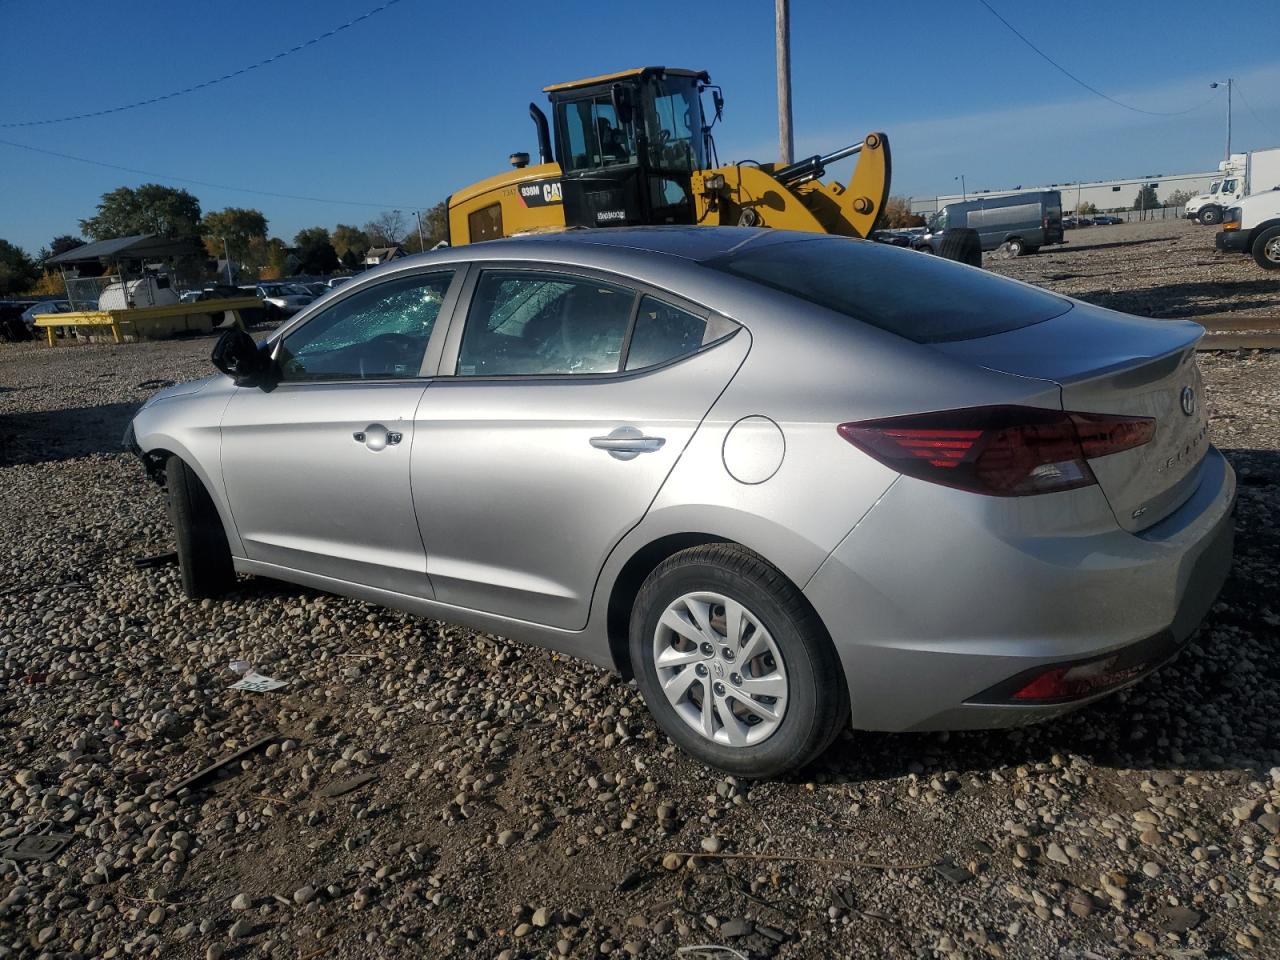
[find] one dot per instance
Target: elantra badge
(1188, 401)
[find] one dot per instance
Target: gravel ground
(524, 806)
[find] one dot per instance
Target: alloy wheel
(720, 669)
(1272, 250)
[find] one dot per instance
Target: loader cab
(628, 145)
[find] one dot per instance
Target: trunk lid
(1111, 363)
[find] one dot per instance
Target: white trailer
(1244, 174)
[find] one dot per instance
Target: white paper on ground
(255, 682)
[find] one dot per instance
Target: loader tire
(204, 558)
(962, 245)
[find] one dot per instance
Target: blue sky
(426, 97)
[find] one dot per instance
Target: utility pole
(964, 194)
(422, 241)
(1230, 82)
(227, 259)
(786, 141)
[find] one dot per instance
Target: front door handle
(627, 443)
(375, 436)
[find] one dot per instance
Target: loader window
(673, 121)
(594, 135)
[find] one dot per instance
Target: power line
(202, 183)
(206, 83)
(1252, 112)
(1091, 89)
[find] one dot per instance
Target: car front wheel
(734, 664)
(1210, 216)
(204, 558)
(1266, 249)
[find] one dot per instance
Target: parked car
(317, 288)
(288, 298)
(43, 308)
(788, 482)
(1106, 220)
(338, 281)
(1021, 222)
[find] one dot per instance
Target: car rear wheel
(734, 664)
(1210, 216)
(1014, 246)
(1266, 249)
(204, 558)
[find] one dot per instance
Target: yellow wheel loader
(635, 148)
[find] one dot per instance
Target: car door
(317, 469)
(568, 399)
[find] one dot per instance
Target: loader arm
(794, 197)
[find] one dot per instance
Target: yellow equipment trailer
(635, 148)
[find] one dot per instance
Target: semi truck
(1243, 174)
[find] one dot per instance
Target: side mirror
(236, 355)
(717, 98)
(620, 94)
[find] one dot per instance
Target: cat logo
(540, 193)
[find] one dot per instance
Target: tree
(308, 236)
(387, 229)
(1147, 198)
(346, 238)
(17, 270)
(352, 260)
(1178, 198)
(62, 243)
(896, 214)
(435, 227)
(238, 226)
(317, 254)
(50, 285)
(152, 208)
(1086, 209)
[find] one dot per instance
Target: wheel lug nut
(718, 687)
(700, 669)
(727, 654)
(707, 649)
(735, 679)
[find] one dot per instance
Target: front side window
(1228, 186)
(379, 333)
(523, 322)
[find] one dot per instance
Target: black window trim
(447, 370)
(435, 345)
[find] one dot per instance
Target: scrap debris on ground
(419, 789)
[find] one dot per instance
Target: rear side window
(662, 333)
(533, 323)
(914, 295)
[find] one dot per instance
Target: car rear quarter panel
(807, 375)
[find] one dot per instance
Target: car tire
(1210, 215)
(793, 657)
(1014, 247)
(204, 557)
(962, 245)
(1266, 249)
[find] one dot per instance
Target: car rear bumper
(1232, 241)
(940, 615)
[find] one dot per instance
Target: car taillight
(999, 451)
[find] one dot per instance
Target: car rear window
(913, 294)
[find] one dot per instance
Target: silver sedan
(790, 483)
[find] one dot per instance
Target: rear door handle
(627, 443)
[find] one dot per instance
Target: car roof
(691, 243)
